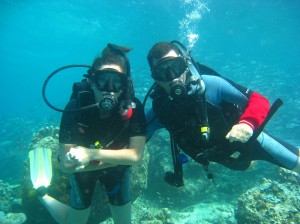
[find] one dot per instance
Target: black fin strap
(208, 174)
(175, 178)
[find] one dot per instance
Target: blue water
(255, 43)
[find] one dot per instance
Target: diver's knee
(121, 214)
(297, 167)
(237, 164)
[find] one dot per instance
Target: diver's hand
(195, 87)
(240, 133)
(68, 160)
(80, 157)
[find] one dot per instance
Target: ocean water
(255, 43)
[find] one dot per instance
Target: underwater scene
(255, 43)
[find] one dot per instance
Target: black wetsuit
(85, 129)
(226, 102)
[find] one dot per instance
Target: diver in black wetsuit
(102, 133)
(210, 118)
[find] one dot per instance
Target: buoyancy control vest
(89, 132)
(183, 121)
(82, 93)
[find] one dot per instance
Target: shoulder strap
(82, 93)
(79, 87)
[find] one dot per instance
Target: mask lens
(168, 69)
(110, 81)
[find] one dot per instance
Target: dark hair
(112, 54)
(159, 50)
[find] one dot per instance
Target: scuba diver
(102, 133)
(210, 118)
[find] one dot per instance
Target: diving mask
(109, 80)
(168, 69)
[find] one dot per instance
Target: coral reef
(10, 206)
(289, 177)
(10, 197)
(207, 213)
(59, 188)
(270, 202)
(12, 218)
(164, 215)
(48, 131)
(151, 214)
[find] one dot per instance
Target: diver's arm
(256, 111)
(153, 123)
(69, 165)
(254, 114)
(254, 105)
(129, 156)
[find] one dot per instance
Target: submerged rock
(270, 202)
(9, 197)
(12, 218)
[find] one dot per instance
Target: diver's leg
(238, 164)
(121, 214)
(285, 154)
(229, 155)
(64, 214)
(82, 189)
(78, 216)
(297, 167)
(58, 210)
(117, 184)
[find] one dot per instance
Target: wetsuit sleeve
(256, 111)
(255, 107)
(138, 121)
(153, 123)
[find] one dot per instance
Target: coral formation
(10, 206)
(164, 215)
(12, 218)
(9, 197)
(151, 214)
(48, 131)
(290, 177)
(270, 202)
